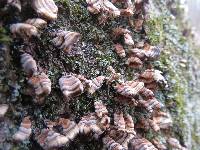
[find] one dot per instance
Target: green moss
(150, 135)
(4, 38)
(195, 137)
(154, 30)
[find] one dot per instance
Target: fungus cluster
(117, 131)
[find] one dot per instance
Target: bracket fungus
(128, 40)
(117, 133)
(70, 86)
(49, 139)
(24, 131)
(100, 109)
(128, 10)
(152, 79)
(95, 84)
(126, 100)
(46, 9)
(41, 85)
(123, 130)
(110, 144)
(65, 39)
(23, 30)
(125, 33)
(137, 57)
(174, 143)
(114, 76)
(95, 123)
(28, 64)
(129, 88)
(69, 128)
(151, 104)
(162, 119)
(37, 22)
(119, 121)
(140, 144)
(158, 144)
(134, 62)
(120, 50)
(88, 125)
(102, 6)
(119, 31)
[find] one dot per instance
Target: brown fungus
(95, 84)
(102, 6)
(65, 39)
(151, 104)
(24, 131)
(110, 144)
(24, 30)
(41, 86)
(141, 144)
(37, 22)
(69, 128)
(129, 88)
(70, 86)
(28, 64)
(123, 130)
(49, 139)
(134, 62)
(100, 109)
(120, 50)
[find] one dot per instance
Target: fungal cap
(46, 8)
(37, 22)
(24, 30)
(24, 131)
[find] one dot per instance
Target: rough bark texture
(90, 57)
